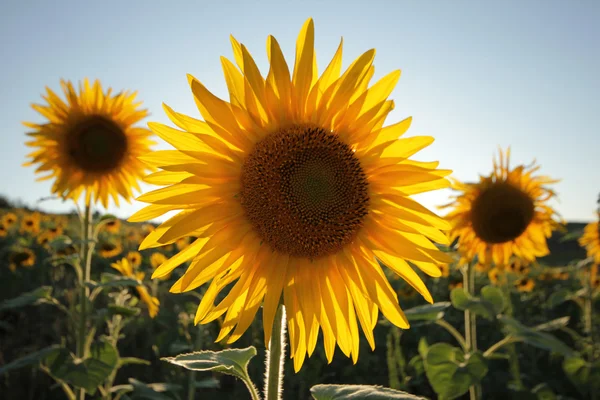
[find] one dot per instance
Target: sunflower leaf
(35, 297)
(30, 359)
(585, 376)
(230, 361)
(451, 372)
(553, 325)
(359, 392)
(464, 301)
(427, 312)
(560, 296)
(534, 337)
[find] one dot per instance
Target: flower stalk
(84, 276)
(471, 324)
(276, 358)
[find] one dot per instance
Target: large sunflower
(505, 214)
(591, 240)
(295, 186)
(89, 143)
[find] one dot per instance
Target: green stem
(84, 290)
(471, 324)
(497, 345)
(588, 324)
(192, 375)
(276, 357)
(514, 367)
(451, 330)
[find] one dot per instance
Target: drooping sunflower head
(21, 258)
(591, 240)
(112, 226)
(89, 143)
(294, 186)
(109, 249)
(504, 214)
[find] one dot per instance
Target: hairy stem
(84, 290)
(471, 324)
(276, 357)
(451, 330)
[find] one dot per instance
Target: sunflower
(134, 258)
(496, 276)
(295, 186)
(56, 231)
(112, 226)
(594, 277)
(156, 260)
(455, 285)
(182, 243)
(505, 214)
(3, 230)
(45, 238)
(518, 267)
(482, 267)
(126, 269)
(9, 219)
(89, 143)
(525, 284)
(21, 258)
(591, 240)
(31, 223)
(445, 269)
(109, 249)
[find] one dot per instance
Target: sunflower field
(285, 229)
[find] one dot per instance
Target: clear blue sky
(475, 74)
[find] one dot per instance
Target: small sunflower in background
(505, 214)
(112, 226)
(294, 188)
(456, 284)
(127, 270)
(591, 240)
(518, 267)
(3, 230)
(445, 269)
(525, 284)
(21, 258)
(496, 276)
(44, 238)
(9, 219)
(481, 267)
(89, 143)
(30, 223)
(109, 249)
(156, 260)
(134, 258)
(56, 230)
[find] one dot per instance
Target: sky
(476, 75)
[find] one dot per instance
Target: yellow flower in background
(89, 143)
(146, 229)
(56, 231)
(30, 223)
(518, 267)
(505, 214)
(21, 258)
(482, 267)
(182, 243)
(109, 249)
(445, 269)
(112, 226)
(9, 219)
(295, 187)
(126, 269)
(134, 258)
(594, 277)
(156, 260)
(591, 240)
(3, 230)
(44, 238)
(133, 236)
(496, 276)
(525, 284)
(455, 285)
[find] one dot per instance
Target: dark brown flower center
(97, 144)
(501, 213)
(304, 191)
(20, 257)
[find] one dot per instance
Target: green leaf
(495, 297)
(451, 372)
(560, 296)
(112, 280)
(553, 325)
(416, 364)
(125, 311)
(132, 360)
(208, 383)
(584, 376)
(427, 312)
(89, 373)
(535, 338)
(359, 392)
(543, 392)
(35, 297)
(464, 301)
(30, 359)
(151, 391)
(423, 347)
(230, 361)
